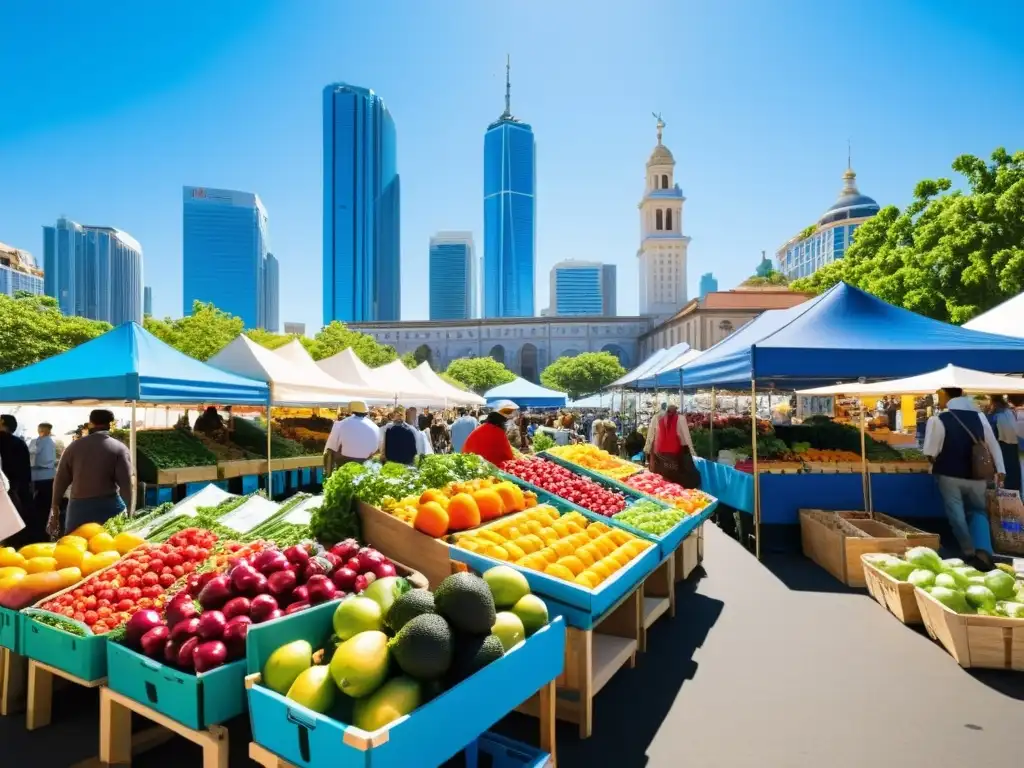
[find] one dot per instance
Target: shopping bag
(1006, 520)
(10, 520)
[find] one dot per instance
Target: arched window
(668, 219)
(657, 219)
(664, 181)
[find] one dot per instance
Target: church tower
(662, 253)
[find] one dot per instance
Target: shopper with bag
(1004, 425)
(673, 450)
(965, 457)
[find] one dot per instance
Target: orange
(432, 494)
(463, 512)
(431, 519)
(490, 504)
(511, 496)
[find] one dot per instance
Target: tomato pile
(655, 485)
(108, 599)
(558, 480)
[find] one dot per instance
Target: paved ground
(775, 667)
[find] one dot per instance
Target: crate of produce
(241, 468)
(593, 458)
(894, 595)
(369, 705)
(10, 629)
(836, 541)
(296, 462)
(185, 475)
(83, 656)
(974, 641)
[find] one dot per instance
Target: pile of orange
(569, 547)
(461, 506)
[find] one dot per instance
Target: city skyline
(453, 286)
(582, 288)
(752, 174)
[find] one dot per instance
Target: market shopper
(950, 443)
(673, 449)
(490, 440)
(1004, 425)
(423, 446)
(398, 440)
(17, 464)
(98, 470)
(353, 438)
(43, 451)
(462, 427)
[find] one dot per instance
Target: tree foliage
(409, 360)
(950, 254)
(32, 328)
(201, 335)
(272, 340)
(479, 373)
(772, 278)
(336, 336)
(583, 374)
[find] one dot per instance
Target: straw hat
(358, 407)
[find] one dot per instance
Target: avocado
(415, 602)
(423, 648)
(466, 601)
(473, 653)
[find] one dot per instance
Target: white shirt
(460, 430)
(935, 431)
(355, 437)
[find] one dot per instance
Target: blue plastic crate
(159, 494)
(306, 476)
(10, 629)
(432, 734)
(250, 484)
(191, 488)
(505, 753)
(81, 657)
(194, 700)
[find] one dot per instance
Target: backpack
(983, 467)
(400, 444)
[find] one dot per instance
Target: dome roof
(661, 156)
(850, 203)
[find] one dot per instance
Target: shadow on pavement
(801, 574)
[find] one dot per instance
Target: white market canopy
(406, 388)
(1007, 319)
(352, 373)
(970, 381)
(306, 368)
(290, 385)
(424, 373)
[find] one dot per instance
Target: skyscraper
(453, 284)
(609, 290)
(362, 257)
(582, 288)
(271, 293)
(225, 249)
(18, 272)
(147, 301)
(510, 167)
(708, 284)
(95, 271)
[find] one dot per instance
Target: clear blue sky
(110, 107)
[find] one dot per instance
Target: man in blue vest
(398, 440)
(949, 441)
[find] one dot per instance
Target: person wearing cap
(98, 470)
(490, 440)
(354, 438)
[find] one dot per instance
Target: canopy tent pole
(757, 490)
(712, 455)
(864, 456)
(133, 448)
(270, 475)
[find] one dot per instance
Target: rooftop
(744, 299)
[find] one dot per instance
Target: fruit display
(564, 483)
(461, 506)
(35, 571)
(393, 651)
(593, 458)
(689, 500)
(311, 431)
(826, 456)
(568, 547)
(651, 517)
(955, 584)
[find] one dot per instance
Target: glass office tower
(147, 301)
(453, 288)
(362, 257)
(224, 252)
(18, 272)
(272, 293)
(509, 215)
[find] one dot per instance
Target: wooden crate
(401, 542)
(981, 642)
(241, 468)
(896, 596)
(296, 462)
(688, 555)
(39, 708)
(836, 540)
(592, 657)
(659, 597)
(182, 475)
(13, 674)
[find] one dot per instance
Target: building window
(668, 219)
(664, 181)
(657, 219)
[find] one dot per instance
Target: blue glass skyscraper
(224, 252)
(18, 272)
(510, 167)
(271, 293)
(362, 258)
(147, 300)
(582, 288)
(453, 288)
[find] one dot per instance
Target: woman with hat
(490, 440)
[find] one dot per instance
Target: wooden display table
(13, 674)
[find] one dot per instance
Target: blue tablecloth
(782, 496)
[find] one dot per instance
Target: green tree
(950, 254)
(201, 335)
(479, 373)
(453, 381)
(772, 278)
(334, 337)
(32, 328)
(409, 360)
(272, 340)
(583, 374)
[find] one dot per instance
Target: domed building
(828, 239)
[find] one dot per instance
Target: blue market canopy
(669, 374)
(526, 394)
(124, 364)
(651, 364)
(841, 335)
(608, 401)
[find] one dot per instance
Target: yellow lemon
(67, 556)
(40, 565)
(74, 541)
(126, 542)
(88, 530)
(11, 570)
(9, 556)
(10, 580)
(101, 542)
(69, 576)
(37, 550)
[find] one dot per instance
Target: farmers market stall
(407, 388)
(526, 394)
(351, 372)
(453, 394)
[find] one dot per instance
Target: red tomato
(69, 612)
(134, 593)
(90, 617)
(134, 581)
(166, 579)
(152, 591)
(189, 566)
(156, 565)
(125, 605)
(178, 571)
(173, 559)
(99, 628)
(79, 616)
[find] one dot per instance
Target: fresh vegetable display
(35, 571)
(124, 522)
(253, 438)
(169, 448)
(560, 481)
(593, 458)
(460, 506)
(689, 500)
(395, 650)
(955, 584)
(568, 547)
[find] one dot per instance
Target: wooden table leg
(547, 720)
(215, 747)
(585, 675)
(40, 697)
(115, 730)
(13, 673)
